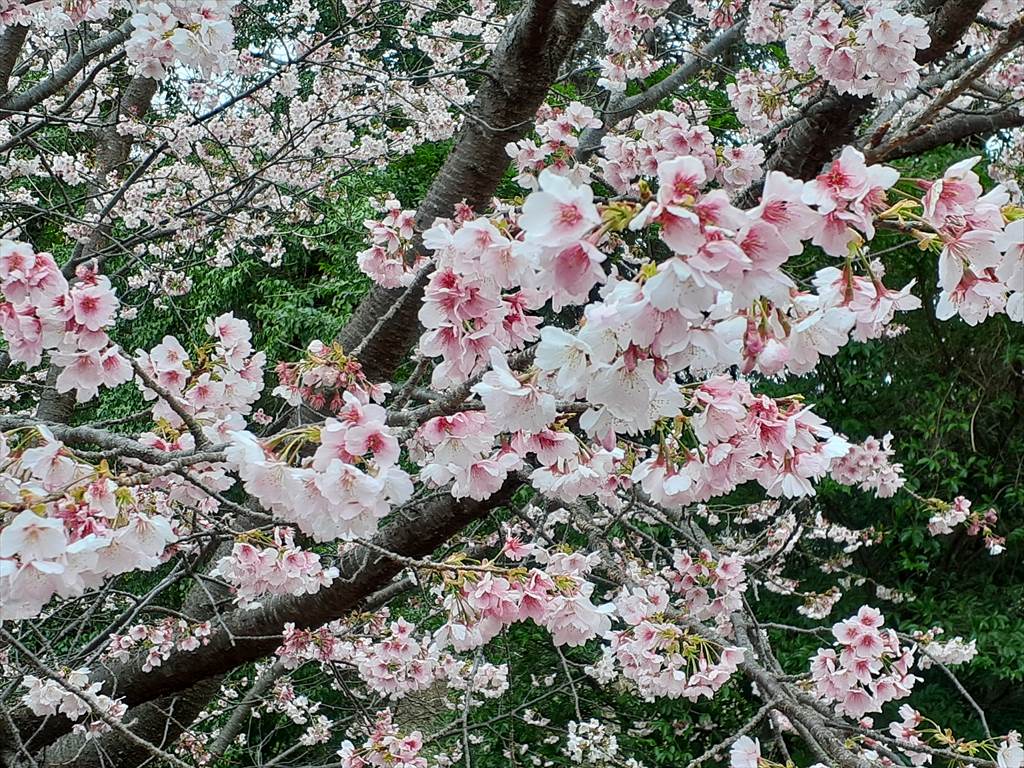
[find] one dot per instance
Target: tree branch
(948, 131)
(525, 63)
(248, 635)
(627, 106)
(43, 90)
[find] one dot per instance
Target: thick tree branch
(43, 90)
(111, 441)
(947, 131)
(946, 25)
(11, 42)
(158, 723)
(827, 123)
(247, 635)
(1009, 39)
(524, 65)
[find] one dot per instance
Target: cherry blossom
(870, 669)
(583, 436)
(279, 568)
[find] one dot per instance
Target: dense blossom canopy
(564, 410)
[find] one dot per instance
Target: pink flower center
(569, 216)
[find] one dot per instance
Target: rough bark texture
(160, 722)
(11, 42)
(524, 65)
(947, 131)
(54, 406)
(828, 124)
(946, 25)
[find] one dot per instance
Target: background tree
(595, 520)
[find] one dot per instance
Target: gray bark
(160, 722)
(38, 93)
(947, 131)
(11, 42)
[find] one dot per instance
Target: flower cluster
(662, 650)
(628, 57)
(354, 113)
(469, 307)
(301, 645)
(392, 260)
(217, 388)
(914, 730)
(656, 137)
(301, 710)
(460, 447)
(818, 605)
(212, 475)
(75, 528)
(165, 34)
(13, 13)
(760, 98)
(398, 663)
(386, 747)
(591, 743)
(721, 293)
(950, 653)
(870, 669)
(569, 470)
(872, 54)
(665, 659)
(909, 731)
(868, 466)
(981, 257)
(475, 678)
(599, 348)
(280, 568)
(711, 588)
(947, 517)
(322, 377)
(740, 166)
(781, 444)
(558, 131)
(392, 661)
(848, 194)
(46, 696)
(557, 598)
(158, 640)
(43, 313)
(342, 490)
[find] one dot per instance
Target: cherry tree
(549, 410)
